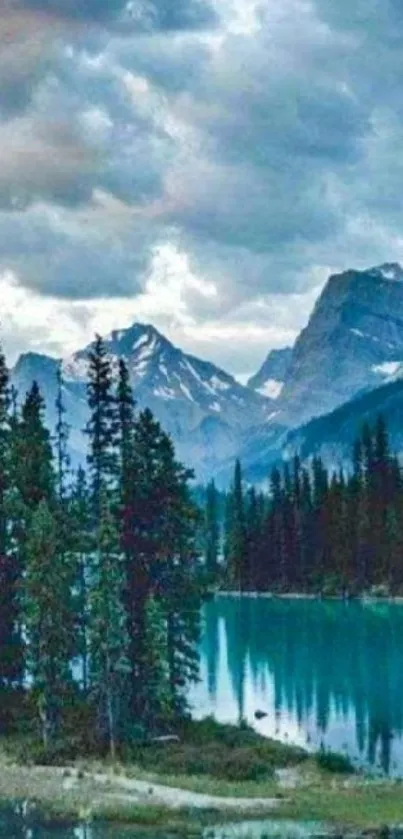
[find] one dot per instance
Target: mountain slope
(270, 378)
(206, 410)
(332, 436)
(353, 341)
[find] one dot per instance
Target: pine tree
(61, 439)
(211, 530)
(254, 523)
(107, 630)
(125, 429)
(278, 570)
(160, 532)
(32, 481)
(228, 511)
(179, 588)
(237, 532)
(48, 619)
(82, 545)
(142, 545)
(102, 425)
(34, 476)
(11, 655)
(307, 540)
(11, 648)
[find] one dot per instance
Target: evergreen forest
(314, 530)
(100, 582)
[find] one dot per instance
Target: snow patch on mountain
(219, 384)
(390, 271)
(388, 368)
(271, 388)
(269, 379)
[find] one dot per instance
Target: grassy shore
(215, 774)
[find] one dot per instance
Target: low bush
(334, 762)
(225, 752)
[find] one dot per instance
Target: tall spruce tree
(125, 430)
(102, 425)
(160, 531)
(179, 588)
(34, 473)
(61, 438)
(237, 532)
(82, 545)
(211, 530)
(11, 656)
(107, 630)
(144, 513)
(48, 619)
(107, 618)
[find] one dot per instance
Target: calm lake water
(16, 823)
(325, 672)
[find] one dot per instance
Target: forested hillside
(315, 531)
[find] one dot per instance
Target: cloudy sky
(199, 165)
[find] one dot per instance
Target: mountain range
(205, 409)
(345, 367)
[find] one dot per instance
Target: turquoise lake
(326, 673)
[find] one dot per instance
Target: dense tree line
(316, 530)
(100, 587)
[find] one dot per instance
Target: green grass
(214, 759)
(363, 807)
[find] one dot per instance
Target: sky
(202, 165)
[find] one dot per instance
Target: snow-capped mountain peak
(204, 408)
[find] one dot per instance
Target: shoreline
(270, 595)
(88, 791)
(73, 794)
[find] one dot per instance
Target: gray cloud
(44, 161)
(133, 14)
(269, 155)
(75, 257)
(33, 33)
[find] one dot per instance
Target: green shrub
(334, 762)
(226, 752)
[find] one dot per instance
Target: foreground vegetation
(221, 766)
(94, 789)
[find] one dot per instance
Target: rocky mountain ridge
(205, 409)
(352, 344)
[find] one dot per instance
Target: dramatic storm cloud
(203, 165)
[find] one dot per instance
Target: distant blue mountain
(205, 409)
(352, 345)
